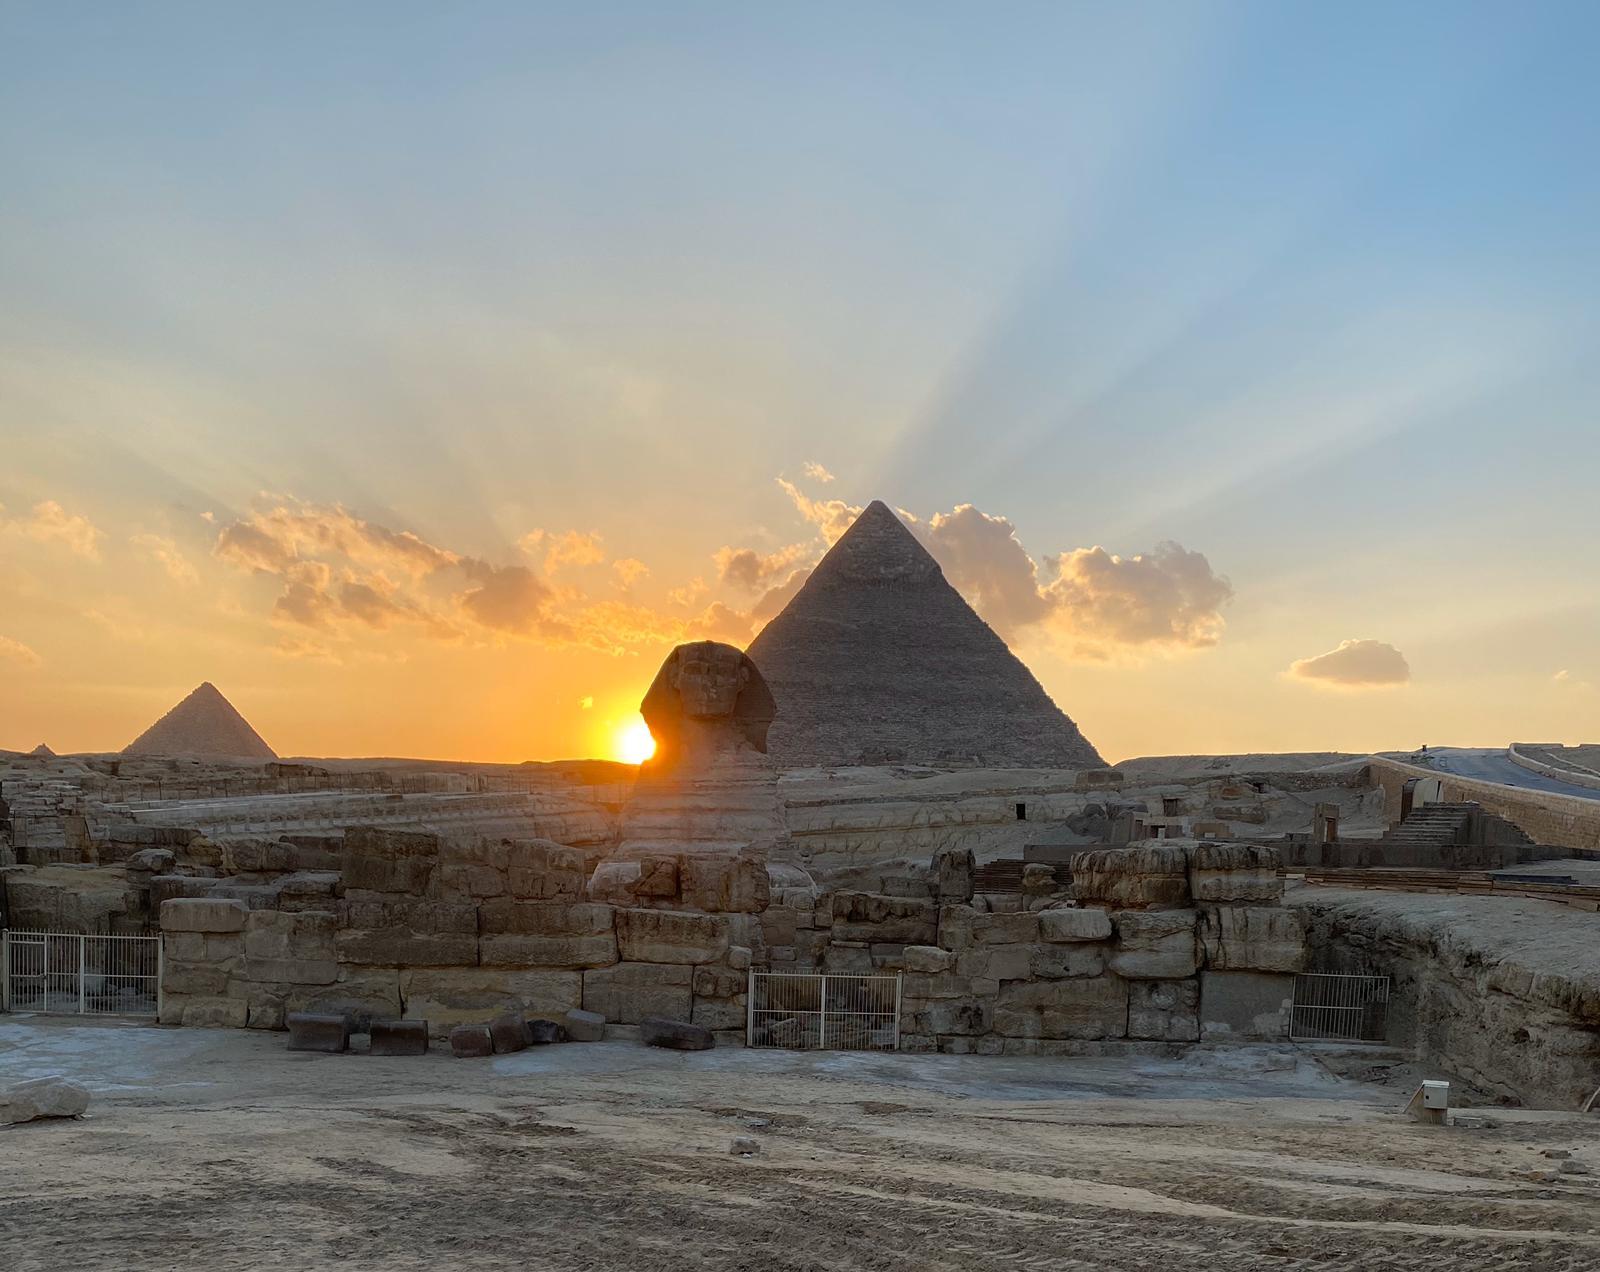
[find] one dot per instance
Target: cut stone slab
(399, 1038)
(203, 914)
(312, 1031)
(1074, 925)
(675, 1035)
(508, 1033)
(471, 1041)
(585, 1026)
(42, 1098)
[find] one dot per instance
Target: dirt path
(220, 1150)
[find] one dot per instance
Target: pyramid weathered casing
(204, 723)
(877, 659)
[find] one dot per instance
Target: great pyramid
(877, 659)
(204, 723)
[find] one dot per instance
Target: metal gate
(80, 974)
(812, 1011)
(1346, 1008)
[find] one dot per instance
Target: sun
(633, 743)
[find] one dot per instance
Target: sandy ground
(221, 1150)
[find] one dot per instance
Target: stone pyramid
(42, 752)
(204, 723)
(877, 659)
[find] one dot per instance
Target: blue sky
(1310, 290)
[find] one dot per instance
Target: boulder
(508, 1033)
(675, 1035)
(1074, 925)
(585, 1026)
(42, 1098)
(1144, 877)
(542, 1032)
(310, 1031)
(399, 1038)
(471, 1042)
(1156, 945)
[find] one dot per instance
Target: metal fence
(80, 974)
(1345, 1008)
(813, 1011)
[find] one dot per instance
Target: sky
(420, 375)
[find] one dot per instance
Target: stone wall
(1564, 820)
(1501, 991)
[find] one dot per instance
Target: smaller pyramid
(42, 752)
(204, 723)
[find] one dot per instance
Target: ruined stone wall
(1565, 820)
(1502, 991)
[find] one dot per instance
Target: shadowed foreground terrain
(219, 1148)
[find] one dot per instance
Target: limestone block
(276, 934)
(1235, 873)
(373, 910)
(194, 978)
(452, 996)
(718, 982)
(292, 971)
(952, 870)
(627, 883)
(360, 993)
(676, 1035)
(547, 934)
(871, 916)
(543, 1032)
(1091, 1007)
(719, 1013)
(739, 958)
(1074, 925)
(380, 860)
(997, 962)
(399, 1038)
(778, 926)
(153, 861)
(1017, 928)
(215, 1013)
(927, 958)
(42, 1098)
(955, 926)
(164, 888)
(953, 1016)
(400, 947)
(471, 1042)
(917, 987)
(630, 992)
(667, 936)
(309, 1031)
(584, 1026)
(722, 884)
(1144, 877)
(1245, 938)
(508, 1033)
(1246, 1006)
(847, 960)
(184, 947)
(1156, 944)
(541, 869)
(309, 891)
(1166, 1011)
(202, 914)
(1055, 962)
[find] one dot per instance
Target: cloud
(774, 599)
(573, 548)
(984, 560)
(14, 651)
(51, 523)
(167, 554)
(629, 571)
(512, 599)
(748, 569)
(1355, 664)
(817, 472)
(1168, 597)
(832, 517)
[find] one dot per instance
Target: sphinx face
(710, 677)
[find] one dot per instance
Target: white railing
(814, 1011)
(80, 974)
(1344, 1008)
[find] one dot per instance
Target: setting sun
(634, 745)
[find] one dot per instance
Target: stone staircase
(1432, 826)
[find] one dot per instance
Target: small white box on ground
(1435, 1095)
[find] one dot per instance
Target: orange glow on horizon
(633, 743)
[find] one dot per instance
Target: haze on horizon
(420, 377)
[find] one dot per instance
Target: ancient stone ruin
(878, 660)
